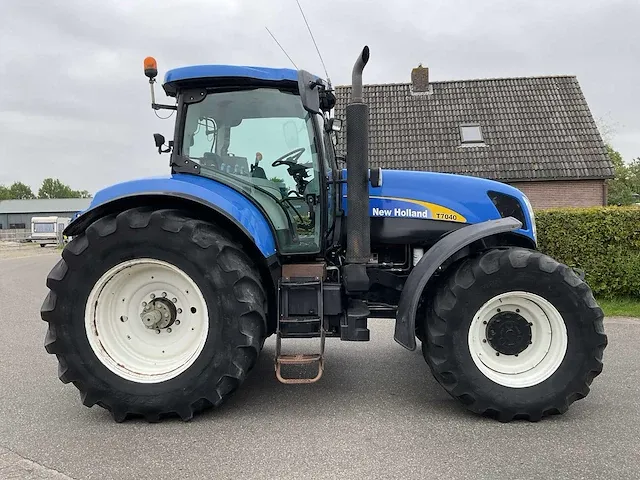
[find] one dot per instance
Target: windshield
(261, 142)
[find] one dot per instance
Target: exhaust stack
(358, 223)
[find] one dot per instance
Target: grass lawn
(620, 307)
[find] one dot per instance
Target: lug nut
(497, 354)
(166, 315)
(517, 310)
(144, 304)
(168, 330)
(179, 310)
(174, 299)
(484, 340)
(123, 318)
(153, 296)
(484, 322)
(498, 310)
(177, 322)
(158, 331)
(164, 294)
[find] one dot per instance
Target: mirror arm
(160, 106)
(166, 150)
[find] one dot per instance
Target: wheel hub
(160, 313)
(508, 333)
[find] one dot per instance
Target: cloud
(74, 103)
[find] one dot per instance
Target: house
(535, 133)
(17, 214)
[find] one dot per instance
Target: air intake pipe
(358, 223)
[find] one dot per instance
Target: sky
(75, 104)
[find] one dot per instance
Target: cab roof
(201, 72)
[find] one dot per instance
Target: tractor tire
(513, 334)
(187, 271)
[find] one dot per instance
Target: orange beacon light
(150, 67)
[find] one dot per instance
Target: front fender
(429, 263)
(224, 200)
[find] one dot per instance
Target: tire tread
(440, 358)
(235, 266)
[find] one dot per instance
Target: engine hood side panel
(437, 196)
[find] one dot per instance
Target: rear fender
(429, 264)
(204, 194)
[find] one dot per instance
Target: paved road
(376, 413)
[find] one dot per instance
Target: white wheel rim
(120, 339)
(539, 360)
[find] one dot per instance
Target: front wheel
(512, 333)
(152, 313)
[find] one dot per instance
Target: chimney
(420, 79)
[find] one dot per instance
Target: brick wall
(561, 193)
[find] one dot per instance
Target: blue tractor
(161, 304)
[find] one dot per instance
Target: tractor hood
(446, 197)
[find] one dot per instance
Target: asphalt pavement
(376, 413)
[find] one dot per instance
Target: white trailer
(48, 230)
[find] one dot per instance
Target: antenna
(314, 42)
(281, 48)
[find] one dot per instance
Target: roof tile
(535, 128)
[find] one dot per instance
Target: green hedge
(602, 241)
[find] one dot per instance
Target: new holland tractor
(161, 303)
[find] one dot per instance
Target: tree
(625, 186)
(16, 191)
(83, 194)
(20, 191)
(51, 188)
(54, 188)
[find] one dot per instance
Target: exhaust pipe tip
(365, 55)
(356, 75)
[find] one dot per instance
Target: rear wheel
(153, 313)
(514, 334)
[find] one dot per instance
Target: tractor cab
(264, 132)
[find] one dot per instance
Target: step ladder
(298, 325)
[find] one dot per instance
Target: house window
(17, 226)
(471, 135)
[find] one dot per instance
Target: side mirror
(291, 135)
(375, 177)
(160, 141)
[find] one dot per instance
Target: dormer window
(471, 134)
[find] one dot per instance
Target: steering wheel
(292, 158)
